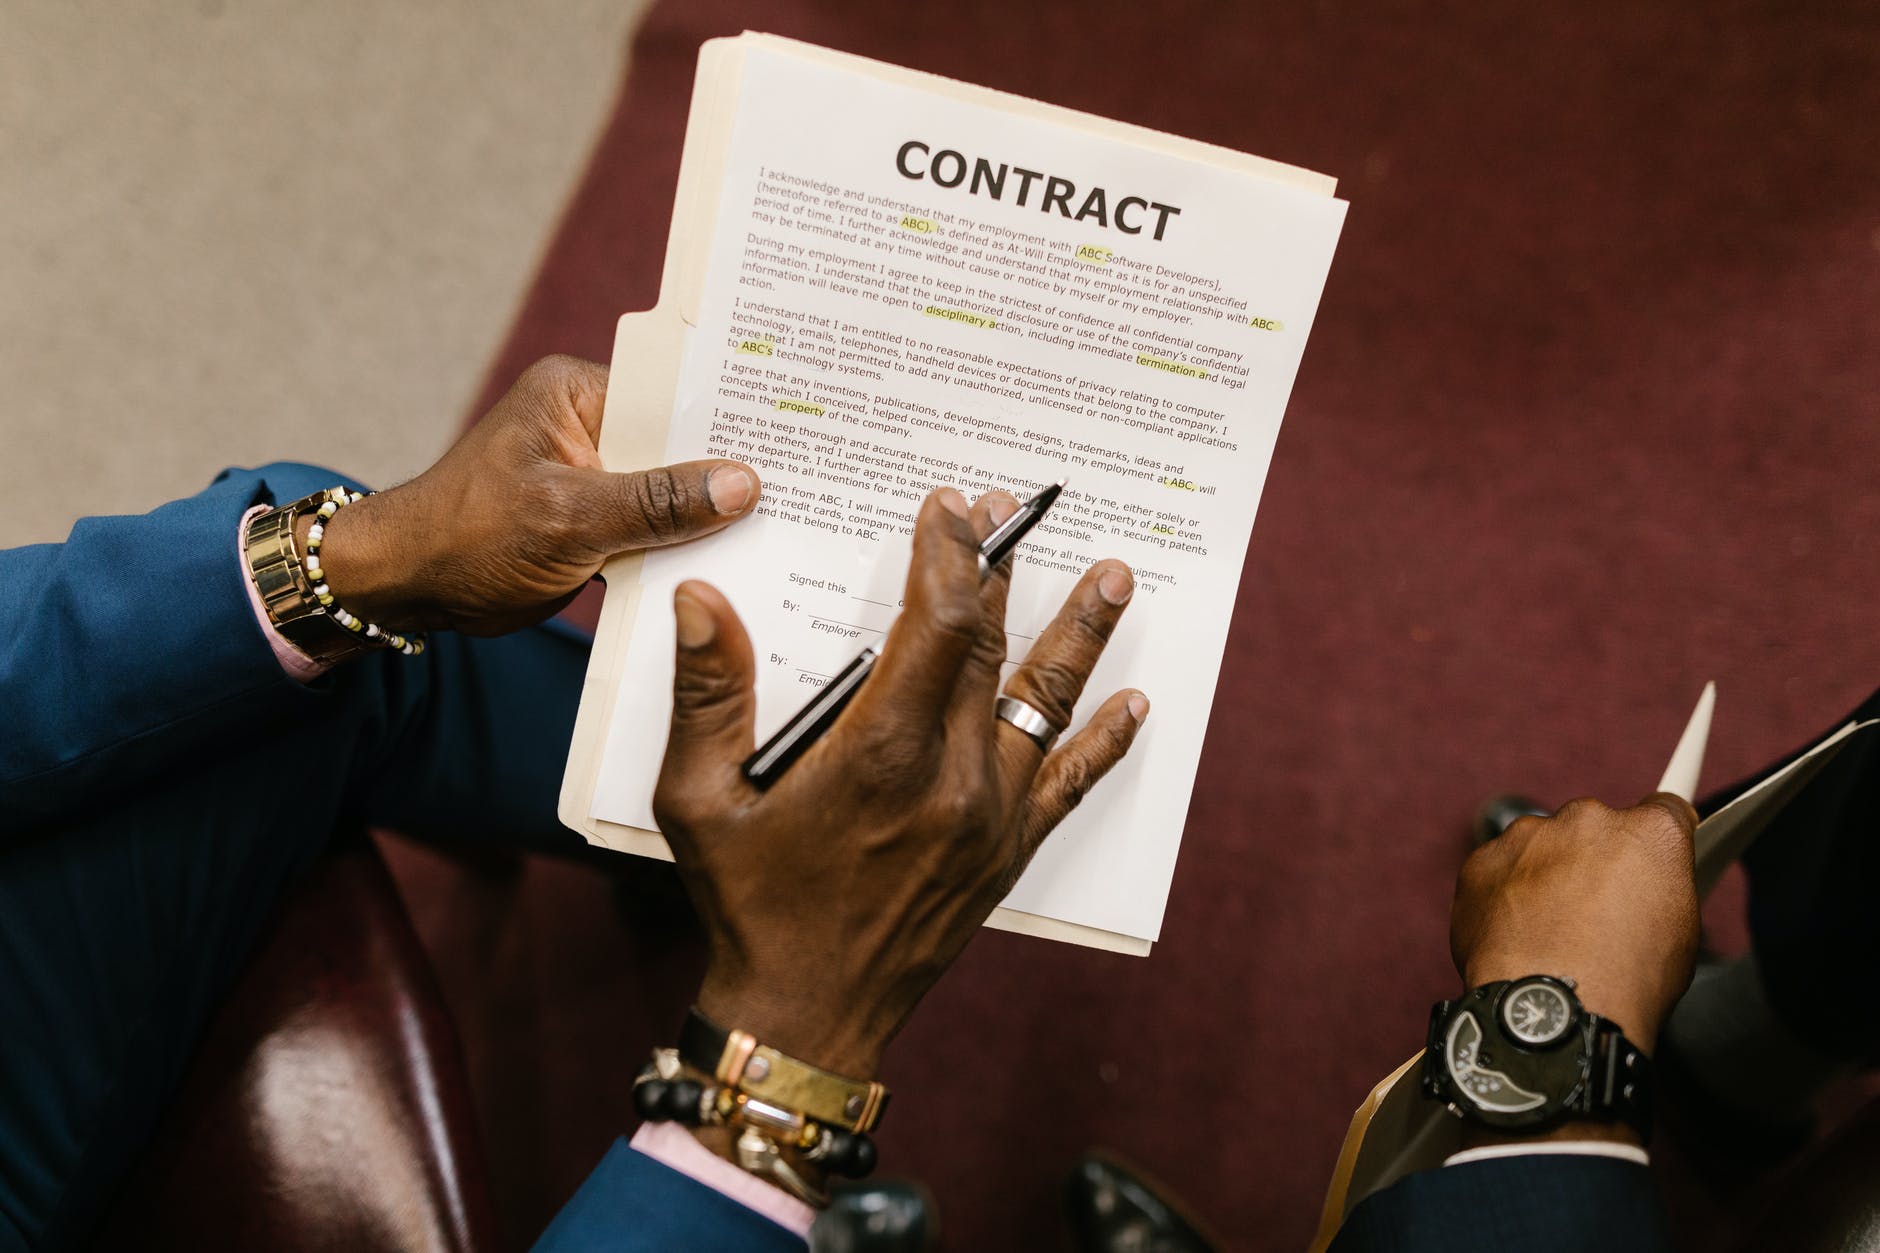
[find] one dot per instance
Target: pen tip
(1063, 479)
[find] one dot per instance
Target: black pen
(765, 766)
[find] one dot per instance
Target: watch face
(1479, 1084)
(1536, 1012)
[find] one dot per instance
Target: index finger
(1681, 810)
(575, 381)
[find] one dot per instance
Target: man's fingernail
(1116, 586)
(1138, 706)
(952, 501)
(695, 623)
(999, 508)
(730, 488)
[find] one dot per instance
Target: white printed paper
(908, 291)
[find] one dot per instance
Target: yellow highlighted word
(1180, 485)
(800, 406)
(1161, 530)
(1173, 367)
(960, 315)
(1266, 324)
(1094, 255)
(758, 347)
(911, 223)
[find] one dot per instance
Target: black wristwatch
(1524, 1053)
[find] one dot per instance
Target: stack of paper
(879, 282)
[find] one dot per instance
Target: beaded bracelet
(336, 499)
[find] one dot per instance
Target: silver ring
(1029, 720)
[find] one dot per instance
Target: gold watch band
(738, 1061)
(280, 579)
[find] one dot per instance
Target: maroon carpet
(1589, 417)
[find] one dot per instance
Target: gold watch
(280, 578)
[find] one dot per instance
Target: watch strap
(1619, 1080)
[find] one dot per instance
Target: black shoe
(1498, 813)
(887, 1217)
(1113, 1210)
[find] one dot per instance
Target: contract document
(907, 283)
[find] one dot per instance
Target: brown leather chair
(327, 1108)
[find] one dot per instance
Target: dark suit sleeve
(634, 1204)
(131, 649)
(1538, 1203)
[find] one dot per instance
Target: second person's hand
(1605, 897)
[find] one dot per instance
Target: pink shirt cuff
(296, 663)
(672, 1145)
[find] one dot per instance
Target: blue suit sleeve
(1538, 1203)
(132, 647)
(634, 1204)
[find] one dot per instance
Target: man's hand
(1605, 897)
(835, 899)
(518, 515)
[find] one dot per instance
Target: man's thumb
(713, 701)
(666, 504)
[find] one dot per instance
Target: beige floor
(238, 232)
